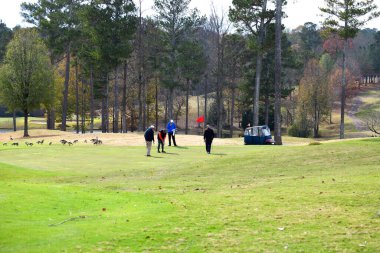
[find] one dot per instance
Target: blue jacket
(171, 127)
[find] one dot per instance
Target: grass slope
(320, 198)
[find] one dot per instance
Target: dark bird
(5, 144)
(15, 144)
(10, 137)
(63, 142)
(50, 143)
(69, 143)
(75, 141)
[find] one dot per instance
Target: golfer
(171, 127)
(208, 136)
(161, 140)
(149, 138)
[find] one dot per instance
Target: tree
(311, 42)
(192, 65)
(345, 17)
(219, 28)
(375, 52)
(235, 49)
(57, 21)
(5, 37)
(254, 17)
(277, 77)
(314, 91)
(111, 25)
(175, 20)
(26, 78)
(372, 120)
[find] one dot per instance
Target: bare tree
(373, 122)
(220, 27)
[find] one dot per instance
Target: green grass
(317, 198)
(33, 123)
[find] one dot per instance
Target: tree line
(109, 60)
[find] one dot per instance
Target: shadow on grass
(168, 153)
(155, 157)
(180, 147)
(221, 154)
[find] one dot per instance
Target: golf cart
(257, 135)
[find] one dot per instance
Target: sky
(298, 11)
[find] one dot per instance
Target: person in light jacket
(149, 138)
(171, 127)
(208, 136)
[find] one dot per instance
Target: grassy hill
(111, 198)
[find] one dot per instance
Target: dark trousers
(208, 146)
(160, 144)
(171, 136)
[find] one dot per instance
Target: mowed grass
(317, 198)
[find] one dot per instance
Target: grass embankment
(320, 198)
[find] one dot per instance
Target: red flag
(201, 119)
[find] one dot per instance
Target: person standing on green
(208, 136)
(171, 127)
(149, 138)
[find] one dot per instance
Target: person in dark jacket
(149, 138)
(208, 136)
(171, 127)
(161, 140)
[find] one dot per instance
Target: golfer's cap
(152, 126)
(171, 121)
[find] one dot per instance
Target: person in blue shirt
(171, 127)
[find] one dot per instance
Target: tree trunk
(26, 134)
(14, 121)
(266, 109)
(92, 109)
(140, 98)
(144, 109)
(170, 103)
(259, 61)
(277, 103)
(343, 95)
(156, 102)
(198, 105)
(187, 105)
(205, 110)
(76, 96)
(83, 127)
(116, 103)
(166, 106)
(50, 122)
(66, 89)
(232, 111)
(105, 113)
(124, 101)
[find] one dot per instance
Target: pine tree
(345, 17)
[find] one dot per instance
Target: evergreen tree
(175, 20)
(254, 17)
(5, 37)
(57, 21)
(345, 17)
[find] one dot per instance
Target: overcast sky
(298, 11)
